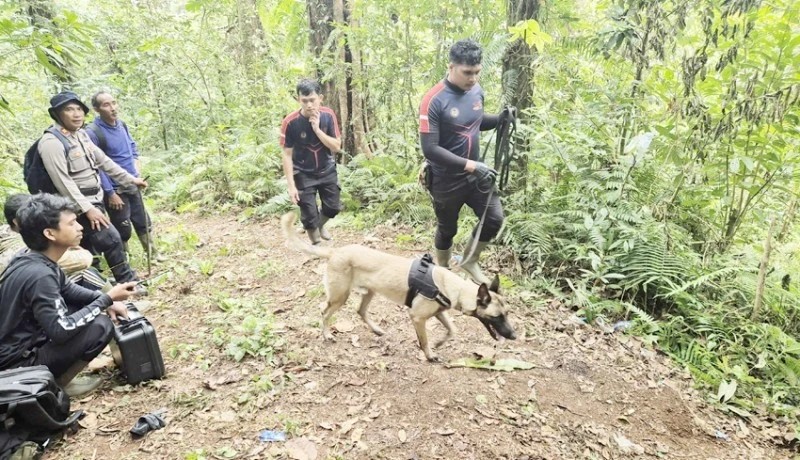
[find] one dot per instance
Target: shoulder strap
(64, 141)
(101, 136)
(33, 413)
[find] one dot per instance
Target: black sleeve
(438, 154)
(51, 313)
(78, 295)
(489, 121)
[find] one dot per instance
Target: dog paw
(434, 359)
(328, 337)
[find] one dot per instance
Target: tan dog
(370, 271)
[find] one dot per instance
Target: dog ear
(484, 298)
(495, 286)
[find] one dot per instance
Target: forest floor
(235, 286)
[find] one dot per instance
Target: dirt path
(590, 395)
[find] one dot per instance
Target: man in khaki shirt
(75, 176)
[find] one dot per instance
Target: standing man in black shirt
(310, 139)
(451, 118)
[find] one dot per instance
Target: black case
(136, 351)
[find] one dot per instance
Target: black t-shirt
(309, 154)
(456, 116)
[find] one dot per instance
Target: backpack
(32, 408)
(33, 171)
(101, 136)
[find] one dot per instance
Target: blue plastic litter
(720, 435)
(272, 436)
(622, 325)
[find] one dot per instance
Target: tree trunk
(762, 272)
(342, 91)
(518, 75)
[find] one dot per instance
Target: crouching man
(45, 319)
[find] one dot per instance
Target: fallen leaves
(344, 325)
(626, 446)
(445, 431)
(301, 449)
(213, 383)
(504, 365)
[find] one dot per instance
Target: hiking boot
(147, 241)
(82, 385)
(139, 290)
(323, 219)
(314, 236)
(323, 232)
(470, 265)
(140, 305)
(443, 257)
(78, 386)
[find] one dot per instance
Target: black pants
(108, 242)
(308, 187)
(84, 346)
(132, 214)
(448, 199)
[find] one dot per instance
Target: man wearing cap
(75, 176)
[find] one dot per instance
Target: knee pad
(107, 239)
(124, 230)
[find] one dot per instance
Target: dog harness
(420, 282)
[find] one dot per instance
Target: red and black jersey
(455, 115)
(309, 154)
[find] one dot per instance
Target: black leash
(477, 235)
(503, 153)
(504, 148)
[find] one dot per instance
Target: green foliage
(246, 329)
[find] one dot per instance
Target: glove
(512, 113)
(484, 173)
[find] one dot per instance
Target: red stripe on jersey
(285, 124)
(335, 121)
(424, 127)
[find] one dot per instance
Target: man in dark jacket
(44, 318)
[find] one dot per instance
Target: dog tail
(287, 221)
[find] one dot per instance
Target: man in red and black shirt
(451, 119)
(310, 139)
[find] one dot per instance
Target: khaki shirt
(11, 245)
(78, 170)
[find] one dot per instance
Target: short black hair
(12, 205)
(466, 52)
(308, 86)
(96, 104)
(40, 212)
